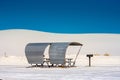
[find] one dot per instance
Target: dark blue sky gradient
(61, 16)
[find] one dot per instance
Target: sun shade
(35, 52)
(57, 52)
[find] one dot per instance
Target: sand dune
(13, 42)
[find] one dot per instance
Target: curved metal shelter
(57, 52)
(35, 52)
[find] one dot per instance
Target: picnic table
(69, 61)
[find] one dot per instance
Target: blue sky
(61, 16)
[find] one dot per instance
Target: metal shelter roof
(57, 51)
(35, 52)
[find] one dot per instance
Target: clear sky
(61, 16)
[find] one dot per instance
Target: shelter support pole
(77, 56)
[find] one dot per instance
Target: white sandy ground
(103, 68)
(82, 60)
(13, 67)
(77, 73)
